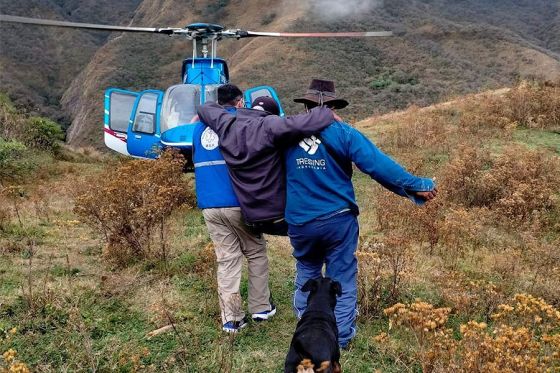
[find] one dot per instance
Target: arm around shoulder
(293, 128)
(214, 115)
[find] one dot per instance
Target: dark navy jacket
(213, 183)
(319, 185)
(252, 144)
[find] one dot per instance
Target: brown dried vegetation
(492, 232)
(382, 268)
(129, 203)
(496, 197)
(525, 337)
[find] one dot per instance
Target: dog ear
(336, 288)
(310, 285)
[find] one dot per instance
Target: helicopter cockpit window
(211, 92)
(179, 105)
(121, 107)
(144, 121)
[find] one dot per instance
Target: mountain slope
(442, 48)
(39, 63)
(139, 62)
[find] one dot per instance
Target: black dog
(315, 341)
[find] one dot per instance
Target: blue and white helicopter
(140, 124)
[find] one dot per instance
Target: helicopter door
(118, 107)
(143, 136)
(253, 93)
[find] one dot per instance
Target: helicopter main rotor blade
(90, 26)
(192, 33)
(317, 34)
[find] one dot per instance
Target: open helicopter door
(143, 135)
(263, 90)
(118, 108)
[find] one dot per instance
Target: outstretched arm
(383, 169)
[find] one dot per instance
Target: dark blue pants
(332, 242)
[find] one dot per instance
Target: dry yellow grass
(457, 264)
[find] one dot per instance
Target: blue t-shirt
(318, 184)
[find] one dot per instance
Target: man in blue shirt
(232, 239)
(321, 208)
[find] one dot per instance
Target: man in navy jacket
(321, 208)
(232, 239)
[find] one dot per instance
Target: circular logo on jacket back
(209, 139)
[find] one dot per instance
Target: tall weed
(127, 204)
(523, 338)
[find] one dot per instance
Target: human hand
(428, 196)
(195, 119)
(336, 117)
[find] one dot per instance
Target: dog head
(323, 288)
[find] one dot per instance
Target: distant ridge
(443, 49)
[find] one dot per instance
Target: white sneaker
(265, 315)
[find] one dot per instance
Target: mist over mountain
(441, 48)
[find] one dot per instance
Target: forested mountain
(37, 64)
(442, 48)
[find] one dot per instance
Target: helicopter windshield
(211, 92)
(179, 105)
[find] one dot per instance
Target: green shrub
(43, 134)
(13, 161)
(216, 10)
(402, 77)
(268, 18)
(11, 123)
(10, 150)
(381, 83)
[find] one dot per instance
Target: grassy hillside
(442, 49)
(65, 304)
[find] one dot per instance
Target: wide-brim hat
(322, 92)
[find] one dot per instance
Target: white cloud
(337, 9)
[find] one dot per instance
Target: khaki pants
(233, 240)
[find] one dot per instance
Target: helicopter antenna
(214, 51)
(194, 52)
